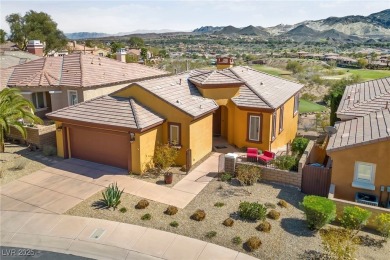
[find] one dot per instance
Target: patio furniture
(266, 157)
(251, 154)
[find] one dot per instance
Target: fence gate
(316, 180)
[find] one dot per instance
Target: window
(364, 176)
(72, 97)
(39, 100)
(281, 115)
(296, 104)
(273, 126)
(174, 134)
(254, 128)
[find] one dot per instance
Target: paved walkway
(60, 187)
(103, 239)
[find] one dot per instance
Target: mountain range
(347, 28)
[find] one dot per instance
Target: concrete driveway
(57, 188)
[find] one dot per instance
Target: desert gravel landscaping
(289, 237)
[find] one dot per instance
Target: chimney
(224, 63)
(121, 55)
(35, 47)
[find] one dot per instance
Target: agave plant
(112, 196)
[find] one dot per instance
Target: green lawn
(308, 106)
(366, 74)
(274, 71)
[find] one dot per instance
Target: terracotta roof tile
(364, 98)
(184, 96)
(79, 70)
(110, 111)
(214, 77)
(373, 127)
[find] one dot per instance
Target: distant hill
(208, 29)
(228, 30)
(85, 35)
(251, 30)
(302, 30)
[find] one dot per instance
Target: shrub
(171, 210)
(283, 203)
(142, 204)
(383, 224)
(112, 196)
(248, 174)
(294, 66)
(211, 234)
(236, 240)
(286, 162)
(147, 216)
(226, 176)
(264, 226)
(198, 215)
(219, 204)
(253, 243)
(269, 205)
(49, 150)
(123, 210)
(228, 222)
(174, 224)
(273, 214)
(319, 211)
(299, 145)
(164, 158)
(19, 164)
(354, 217)
(252, 211)
(338, 243)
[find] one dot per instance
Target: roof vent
(180, 82)
(345, 135)
(261, 83)
(200, 106)
(387, 105)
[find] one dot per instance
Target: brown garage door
(106, 147)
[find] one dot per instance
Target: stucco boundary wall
(40, 136)
(275, 175)
(340, 204)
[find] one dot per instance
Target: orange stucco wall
(344, 165)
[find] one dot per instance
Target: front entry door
(217, 122)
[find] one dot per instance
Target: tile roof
(214, 77)
(248, 98)
(125, 113)
(185, 96)
(373, 127)
(364, 98)
(13, 58)
(273, 91)
(79, 70)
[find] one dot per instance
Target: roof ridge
(254, 91)
(136, 119)
(223, 73)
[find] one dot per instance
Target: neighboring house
(360, 149)
(136, 53)
(247, 107)
(74, 47)
(52, 83)
(13, 58)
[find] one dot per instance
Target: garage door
(106, 147)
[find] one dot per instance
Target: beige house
(52, 83)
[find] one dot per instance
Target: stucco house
(52, 83)
(360, 149)
(246, 107)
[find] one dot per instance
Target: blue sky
(126, 16)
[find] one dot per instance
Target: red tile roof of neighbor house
(364, 98)
(78, 70)
(116, 112)
(370, 128)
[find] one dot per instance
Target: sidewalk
(103, 239)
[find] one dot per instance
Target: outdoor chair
(251, 154)
(266, 157)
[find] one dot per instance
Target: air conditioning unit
(367, 199)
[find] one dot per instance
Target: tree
(13, 109)
(144, 53)
(115, 46)
(3, 34)
(35, 26)
(163, 54)
(294, 66)
(362, 63)
(136, 42)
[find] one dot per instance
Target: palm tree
(14, 108)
